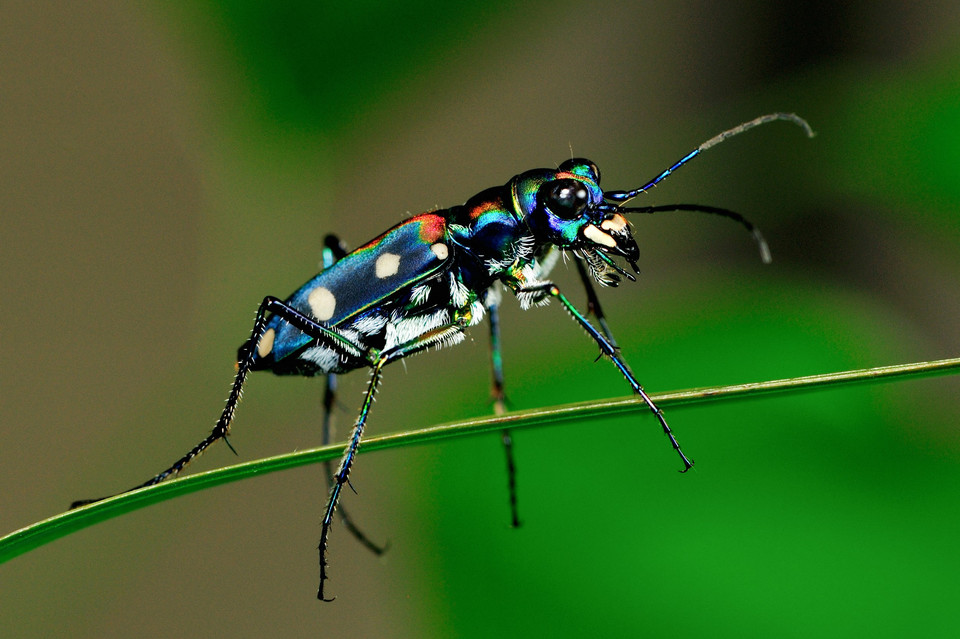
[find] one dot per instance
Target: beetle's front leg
(547, 290)
(593, 302)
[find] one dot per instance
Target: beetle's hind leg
(245, 359)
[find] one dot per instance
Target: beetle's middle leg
(333, 252)
(433, 337)
(500, 406)
(329, 402)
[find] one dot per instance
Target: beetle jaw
(612, 237)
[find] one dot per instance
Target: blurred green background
(165, 165)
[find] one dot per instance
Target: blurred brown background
(165, 165)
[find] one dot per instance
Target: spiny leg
(610, 351)
(500, 407)
(244, 362)
(341, 477)
(329, 401)
(333, 252)
(343, 472)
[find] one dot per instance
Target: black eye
(566, 198)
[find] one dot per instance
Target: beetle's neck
(491, 232)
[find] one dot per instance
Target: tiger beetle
(426, 280)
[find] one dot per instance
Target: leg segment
(610, 351)
(333, 252)
(593, 303)
(499, 408)
(343, 472)
(341, 477)
(245, 361)
(329, 400)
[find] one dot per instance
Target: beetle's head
(566, 208)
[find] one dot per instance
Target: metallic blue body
(435, 270)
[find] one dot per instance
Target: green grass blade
(47, 530)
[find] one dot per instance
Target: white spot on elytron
(594, 234)
(266, 343)
(322, 303)
(387, 264)
(440, 250)
(616, 224)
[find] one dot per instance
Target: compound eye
(566, 198)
